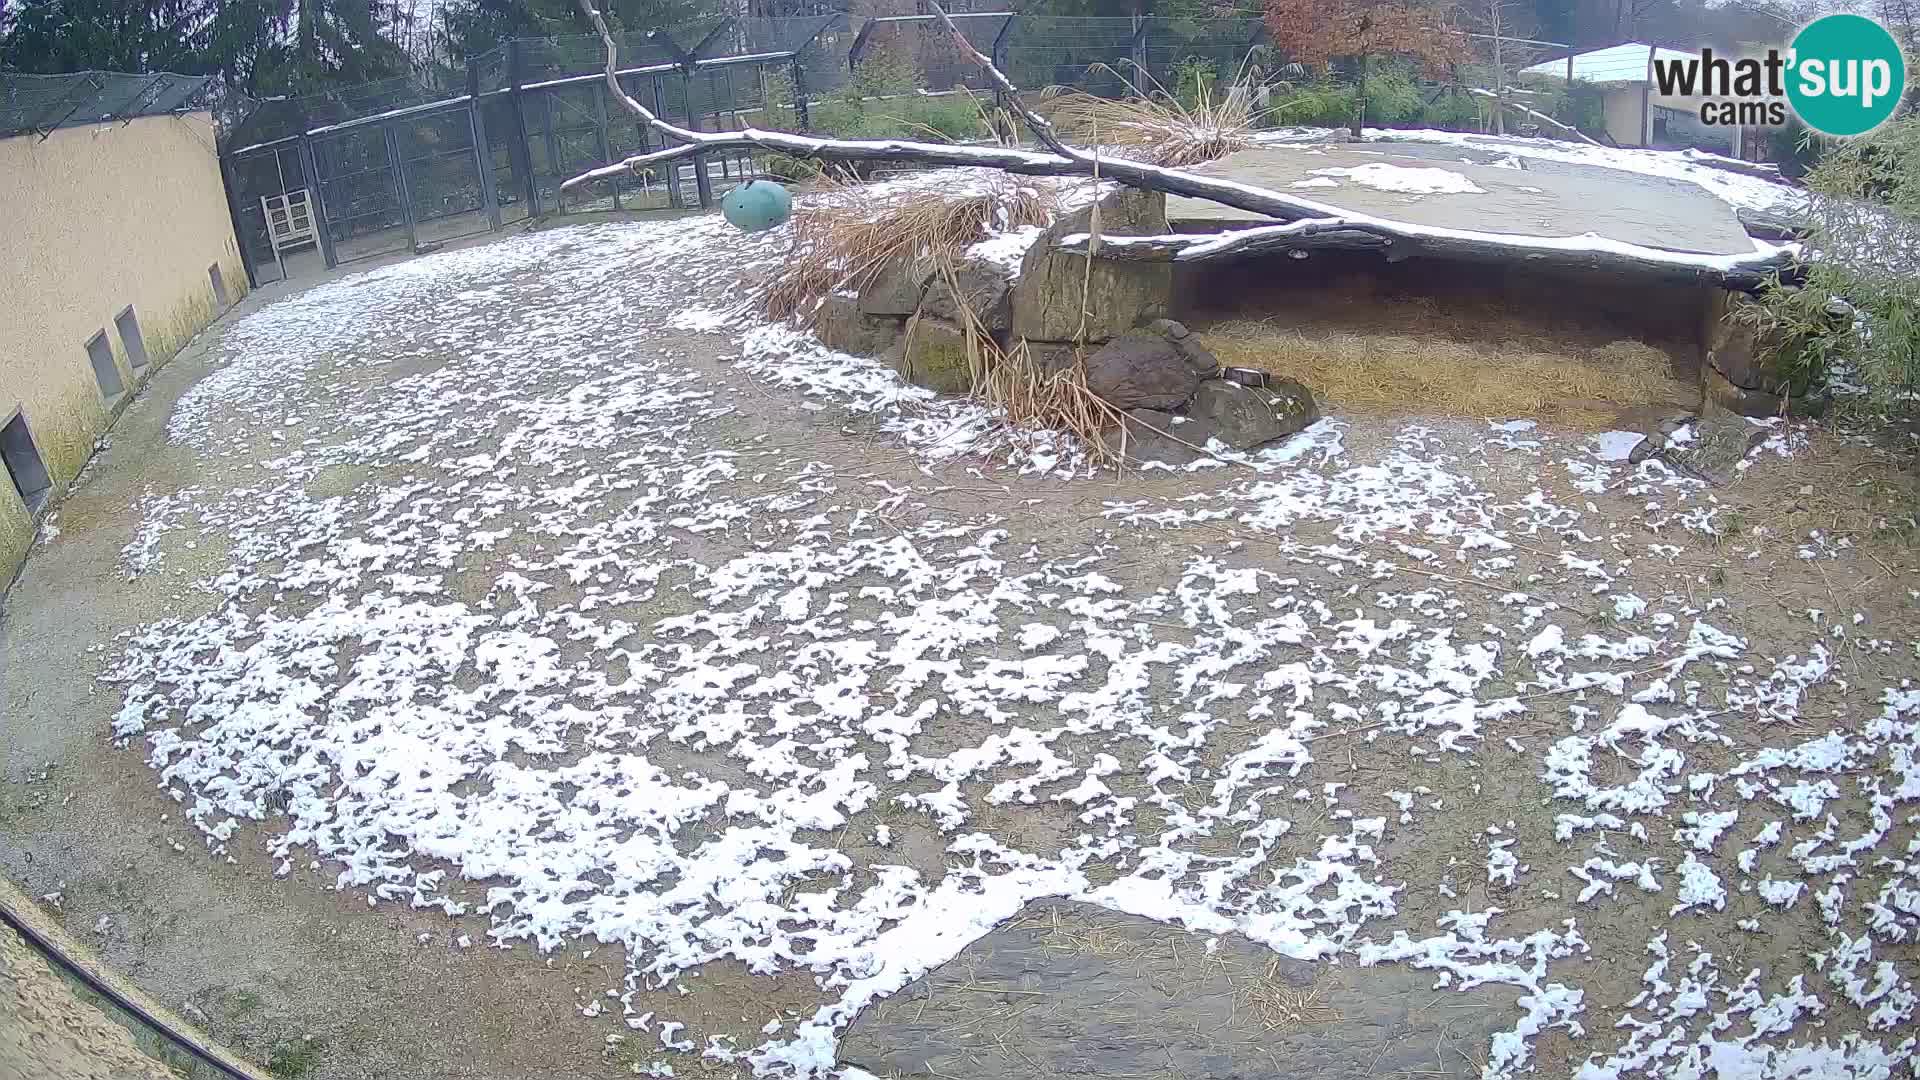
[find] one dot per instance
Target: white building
(1636, 113)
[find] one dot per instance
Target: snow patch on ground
(1406, 179)
(564, 657)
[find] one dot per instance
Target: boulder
(841, 326)
(1244, 417)
(1745, 357)
(1153, 435)
(1066, 989)
(1197, 355)
(1048, 357)
(1156, 368)
(1054, 287)
(1712, 447)
(984, 289)
(896, 288)
(934, 355)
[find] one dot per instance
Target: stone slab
(1067, 989)
(1541, 198)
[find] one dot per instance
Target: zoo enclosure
(405, 164)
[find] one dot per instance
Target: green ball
(757, 205)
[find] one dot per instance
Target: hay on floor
(1435, 375)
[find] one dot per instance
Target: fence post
(606, 144)
(322, 226)
(482, 148)
(998, 54)
(400, 185)
(552, 141)
(672, 169)
(520, 150)
(1138, 49)
(701, 184)
(232, 183)
(800, 117)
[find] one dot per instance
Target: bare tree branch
(1301, 223)
(1398, 240)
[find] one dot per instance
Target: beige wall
(93, 219)
(1625, 108)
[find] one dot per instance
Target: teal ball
(757, 205)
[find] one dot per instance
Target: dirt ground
(300, 960)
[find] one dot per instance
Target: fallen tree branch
(1401, 240)
(1302, 224)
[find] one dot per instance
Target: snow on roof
(1625, 63)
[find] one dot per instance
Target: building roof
(40, 103)
(1623, 63)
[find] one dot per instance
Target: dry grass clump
(843, 240)
(1435, 375)
(1159, 126)
(1277, 1006)
(1033, 396)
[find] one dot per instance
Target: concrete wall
(1624, 107)
(93, 219)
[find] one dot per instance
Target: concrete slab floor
(1523, 196)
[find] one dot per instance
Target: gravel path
(513, 662)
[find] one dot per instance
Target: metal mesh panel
(1048, 51)
(44, 102)
(1222, 43)
(359, 191)
(931, 48)
(255, 175)
(542, 59)
(766, 35)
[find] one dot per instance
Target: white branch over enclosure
(1302, 224)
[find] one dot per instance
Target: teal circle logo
(1847, 75)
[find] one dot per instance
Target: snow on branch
(1301, 224)
(1400, 240)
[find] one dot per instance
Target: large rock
(984, 289)
(1152, 435)
(1244, 417)
(1742, 371)
(1156, 368)
(1117, 295)
(934, 355)
(841, 326)
(1067, 989)
(1712, 447)
(896, 288)
(1052, 357)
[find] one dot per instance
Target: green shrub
(1322, 104)
(1392, 99)
(1193, 81)
(1867, 231)
(1883, 167)
(1452, 111)
(882, 100)
(949, 117)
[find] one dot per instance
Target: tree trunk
(1360, 95)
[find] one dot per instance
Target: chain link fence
(408, 163)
